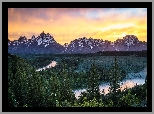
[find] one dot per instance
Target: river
(131, 80)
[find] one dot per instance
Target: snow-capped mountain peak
(129, 40)
(45, 43)
(44, 39)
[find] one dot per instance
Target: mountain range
(45, 43)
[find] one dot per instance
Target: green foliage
(115, 77)
(128, 100)
(54, 87)
(11, 98)
(89, 103)
(110, 104)
(24, 83)
(93, 83)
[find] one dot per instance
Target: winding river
(131, 80)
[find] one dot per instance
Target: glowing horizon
(67, 24)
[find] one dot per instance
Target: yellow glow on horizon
(64, 27)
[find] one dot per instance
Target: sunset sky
(67, 24)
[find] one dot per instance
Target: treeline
(54, 87)
(142, 53)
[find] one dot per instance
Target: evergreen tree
(93, 83)
(23, 82)
(66, 92)
(115, 76)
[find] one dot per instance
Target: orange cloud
(67, 24)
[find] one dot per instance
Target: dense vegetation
(54, 87)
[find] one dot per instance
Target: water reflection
(131, 80)
(52, 64)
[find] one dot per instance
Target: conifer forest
(34, 83)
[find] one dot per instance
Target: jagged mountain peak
(45, 43)
(44, 35)
(43, 39)
(130, 37)
(21, 39)
(33, 37)
(65, 45)
(130, 40)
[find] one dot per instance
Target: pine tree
(24, 83)
(66, 92)
(115, 76)
(93, 83)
